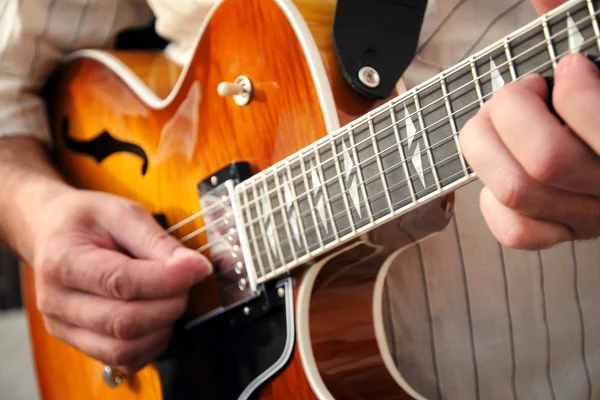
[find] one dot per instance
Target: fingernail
(181, 252)
(202, 267)
(201, 273)
(565, 64)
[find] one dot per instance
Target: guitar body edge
(341, 334)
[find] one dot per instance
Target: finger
(519, 231)
(108, 350)
(111, 274)
(576, 96)
(546, 149)
(139, 234)
(543, 6)
(111, 318)
(513, 188)
(497, 168)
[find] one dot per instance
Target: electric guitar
(300, 189)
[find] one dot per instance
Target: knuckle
(120, 354)
(158, 239)
(515, 237)
(117, 284)
(131, 209)
(54, 265)
(545, 166)
(512, 191)
(121, 327)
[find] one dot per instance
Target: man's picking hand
(109, 280)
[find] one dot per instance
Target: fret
(272, 217)
(256, 219)
(533, 51)
(402, 200)
(509, 58)
(268, 250)
(338, 187)
(358, 170)
(302, 230)
(381, 172)
(241, 233)
(287, 221)
(250, 231)
(478, 89)
(320, 197)
(367, 157)
(453, 125)
(414, 147)
(549, 44)
(311, 206)
(325, 173)
(433, 118)
(592, 11)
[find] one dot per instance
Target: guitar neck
(400, 155)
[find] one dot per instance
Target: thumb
(543, 6)
(142, 237)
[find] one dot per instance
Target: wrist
(28, 183)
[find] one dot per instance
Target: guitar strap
(375, 41)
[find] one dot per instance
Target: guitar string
(411, 94)
(365, 182)
(480, 77)
(286, 265)
(371, 159)
(381, 193)
(364, 203)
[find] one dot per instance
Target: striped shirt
(470, 319)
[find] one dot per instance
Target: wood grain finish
(155, 70)
(190, 138)
(343, 333)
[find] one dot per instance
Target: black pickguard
(102, 146)
(218, 359)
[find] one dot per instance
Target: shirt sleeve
(35, 35)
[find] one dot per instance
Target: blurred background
(17, 378)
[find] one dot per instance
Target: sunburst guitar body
(302, 192)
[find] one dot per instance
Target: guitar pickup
(227, 245)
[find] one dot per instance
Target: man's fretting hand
(542, 177)
(109, 280)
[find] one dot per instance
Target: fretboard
(398, 156)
